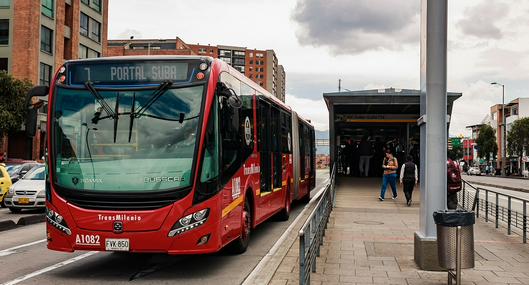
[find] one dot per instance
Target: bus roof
(140, 57)
(243, 78)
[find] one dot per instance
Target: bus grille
(125, 202)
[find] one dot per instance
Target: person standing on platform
(453, 183)
(390, 167)
(408, 178)
(364, 149)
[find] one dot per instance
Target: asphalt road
(24, 259)
(514, 183)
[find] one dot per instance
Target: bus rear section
(167, 154)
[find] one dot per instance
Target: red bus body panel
(148, 230)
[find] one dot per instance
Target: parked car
(474, 170)
(5, 183)
(16, 171)
(28, 192)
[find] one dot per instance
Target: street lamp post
(504, 128)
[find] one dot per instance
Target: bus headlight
(189, 222)
(56, 220)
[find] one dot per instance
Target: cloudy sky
(367, 43)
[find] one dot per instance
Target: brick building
(36, 37)
(262, 66)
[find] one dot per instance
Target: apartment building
(262, 66)
(514, 110)
(36, 37)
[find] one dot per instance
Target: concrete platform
(371, 242)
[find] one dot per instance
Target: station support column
(433, 127)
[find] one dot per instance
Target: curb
(7, 225)
(29, 220)
(266, 268)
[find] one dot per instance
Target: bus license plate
(117, 244)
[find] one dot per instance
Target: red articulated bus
(176, 154)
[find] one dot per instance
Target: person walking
(453, 183)
(408, 178)
(364, 150)
(390, 167)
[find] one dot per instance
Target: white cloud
(473, 106)
(314, 110)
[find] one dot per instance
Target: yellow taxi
(5, 183)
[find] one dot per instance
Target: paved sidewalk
(371, 242)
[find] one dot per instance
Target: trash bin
(447, 222)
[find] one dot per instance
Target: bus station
(384, 117)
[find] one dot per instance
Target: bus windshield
(125, 140)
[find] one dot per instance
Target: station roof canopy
(380, 101)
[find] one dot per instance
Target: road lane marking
(251, 278)
(49, 268)
(12, 250)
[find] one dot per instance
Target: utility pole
(339, 85)
(504, 130)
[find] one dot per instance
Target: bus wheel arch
(247, 222)
(284, 214)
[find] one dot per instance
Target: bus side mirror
(34, 102)
(229, 96)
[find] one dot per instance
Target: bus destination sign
(128, 72)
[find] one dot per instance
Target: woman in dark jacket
(408, 178)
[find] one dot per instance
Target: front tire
(241, 244)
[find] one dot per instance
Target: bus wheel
(241, 244)
(285, 213)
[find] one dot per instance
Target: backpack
(409, 172)
(454, 177)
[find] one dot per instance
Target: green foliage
(486, 142)
(518, 136)
(13, 107)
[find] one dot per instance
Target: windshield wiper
(116, 118)
(132, 114)
(90, 87)
(162, 88)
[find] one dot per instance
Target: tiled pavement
(371, 242)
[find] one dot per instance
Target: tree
(456, 153)
(486, 142)
(13, 107)
(518, 137)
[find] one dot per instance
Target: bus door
(264, 147)
(277, 163)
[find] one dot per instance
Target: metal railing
(313, 230)
(505, 210)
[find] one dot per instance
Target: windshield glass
(140, 145)
(36, 173)
(12, 169)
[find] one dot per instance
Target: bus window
(286, 144)
(210, 163)
(276, 147)
(302, 135)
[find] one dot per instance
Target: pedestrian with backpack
(453, 183)
(408, 178)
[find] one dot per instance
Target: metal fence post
(486, 205)
(497, 210)
(477, 202)
(302, 258)
(509, 215)
(524, 227)
(464, 195)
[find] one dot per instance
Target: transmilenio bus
(167, 154)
